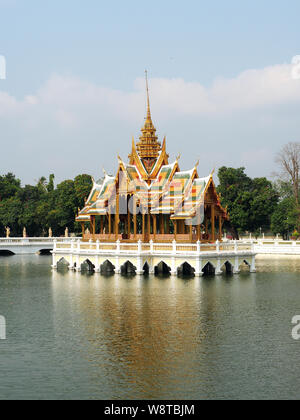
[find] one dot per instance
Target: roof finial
(148, 98)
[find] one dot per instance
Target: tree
(50, 186)
(83, 185)
(284, 219)
(9, 185)
(246, 199)
(288, 160)
(66, 205)
(10, 214)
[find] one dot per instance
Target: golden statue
(7, 232)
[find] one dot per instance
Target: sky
(223, 88)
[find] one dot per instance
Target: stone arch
(243, 264)
(146, 268)
(63, 262)
(128, 268)
(87, 265)
(107, 268)
(162, 269)
(185, 269)
(227, 267)
(208, 269)
(6, 253)
(45, 251)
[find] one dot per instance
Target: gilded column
(213, 222)
(117, 218)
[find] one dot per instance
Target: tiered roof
(155, 183)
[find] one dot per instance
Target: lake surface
(84, 336)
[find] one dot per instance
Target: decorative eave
(189, 186)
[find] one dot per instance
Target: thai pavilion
(152, 199)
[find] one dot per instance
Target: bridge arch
(244, 263)
(45, 251)
(62, 263)
(6, 253)
(227, 267)
(146, 268)
(208, 269)
(185, 269)
(87, 265)
(107, 268)
(128, 268)
(162, 269)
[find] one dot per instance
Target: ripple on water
(74, 335)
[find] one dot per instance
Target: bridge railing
(32, 240)
(173, 248)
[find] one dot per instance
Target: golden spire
(148, 147)
(148, 99)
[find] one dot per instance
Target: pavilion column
(101, 225)
(154, 226)
(128, 222)
(167, 224)
(220, 228)
(134, 218)
(117, 217)
(213, 222)
(198, 231)
(191, 233)
(206, 225)
(109, 223)
(149, 224)
(161, 224)
(93, 226)
(143, 226)
(181, 227)
(83, 229)
(175, 229)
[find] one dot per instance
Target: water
(86, 336)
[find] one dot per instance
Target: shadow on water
(5, 253)
(43, 252)
(106, 275)
(186, 278)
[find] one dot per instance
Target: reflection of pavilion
(150, 198)
(135, 341)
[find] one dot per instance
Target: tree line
(41, 206)
(259, 205)
(254, 204)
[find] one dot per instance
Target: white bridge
(276, 247)
(28, 245)
(140, 258)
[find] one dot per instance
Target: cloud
(73, 115)
(65, 97)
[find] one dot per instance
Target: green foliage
(9, 185)
(285, 217)
(38, 207)
(250, 202)
(83, 185)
